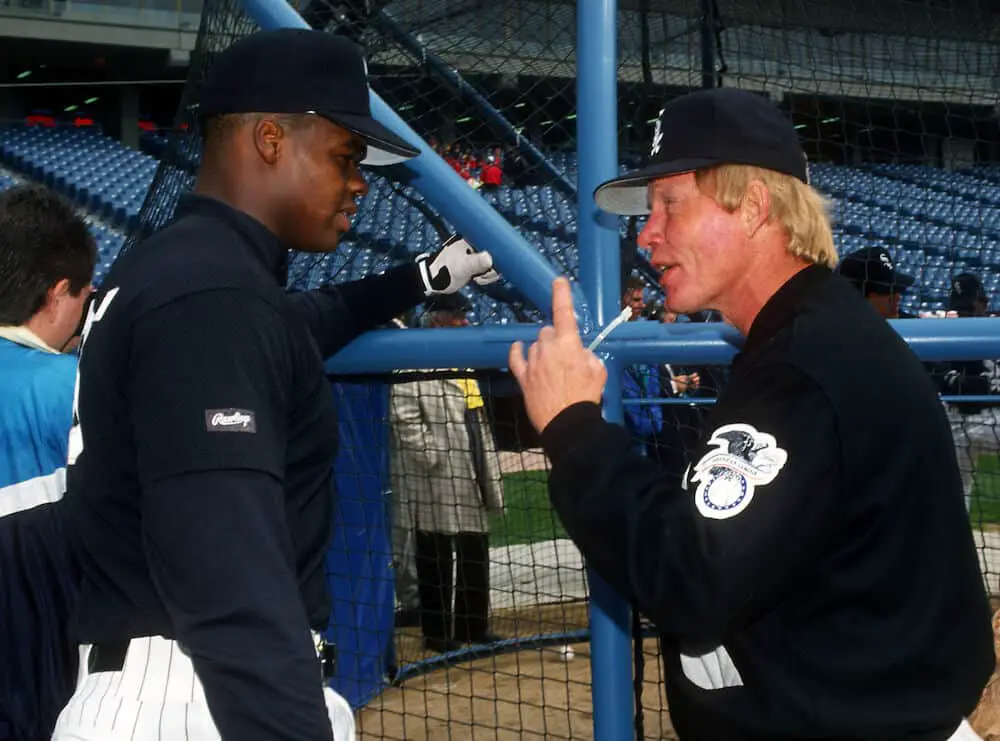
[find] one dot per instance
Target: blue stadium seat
(934, 222)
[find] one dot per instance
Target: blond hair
(800, 209)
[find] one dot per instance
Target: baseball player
(47, 259)
(872, 272)
(814, 575)
(199, 489)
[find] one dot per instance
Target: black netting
(491, 606)
(179, 150)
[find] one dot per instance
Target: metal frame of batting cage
(597, 303)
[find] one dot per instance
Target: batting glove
(453, 266)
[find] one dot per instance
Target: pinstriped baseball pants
(156, 696)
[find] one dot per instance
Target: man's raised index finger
(563, 318)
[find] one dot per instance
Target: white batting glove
(453, 266)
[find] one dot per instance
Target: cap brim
(903, 281)
(384, 147)
(626, 195)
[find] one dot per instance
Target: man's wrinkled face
(694, 241)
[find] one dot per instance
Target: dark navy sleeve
(336, 314)
(208, 382)
(706, 558)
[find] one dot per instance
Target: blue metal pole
(443, 188)
(611, 670)
(634, 342)
(597, 153)
(600, 276)
(950, 339)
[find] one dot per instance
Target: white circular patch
(728, 475)
(725, 492)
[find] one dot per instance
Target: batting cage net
(460, 605)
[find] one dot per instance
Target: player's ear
(268, 138)
(755, 209)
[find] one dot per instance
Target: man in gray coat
(446, 472)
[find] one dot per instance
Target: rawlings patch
(727, 476)
(230, 420)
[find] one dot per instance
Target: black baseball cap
(872, 270)
(705, 128)
(297, 70)
(966, 291)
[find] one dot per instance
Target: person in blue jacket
(640, 381)
(47, 258)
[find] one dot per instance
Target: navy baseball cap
(296, 70)
(872, 270)
(705, 128)
(966, 291)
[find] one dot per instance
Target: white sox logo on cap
(657, 135)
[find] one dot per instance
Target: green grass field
(985, 508)
(529, 517)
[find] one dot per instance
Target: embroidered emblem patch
(727, 476)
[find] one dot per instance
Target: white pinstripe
(108, 679)
(85, 699)
(166, 694)
(156, 697)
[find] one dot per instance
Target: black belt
(328, 659)
(109, 656)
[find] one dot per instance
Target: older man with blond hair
(814, 574)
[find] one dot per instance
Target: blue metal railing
(633, 342)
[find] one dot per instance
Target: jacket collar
(23, 336)
(263, 243)
(781, 309)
